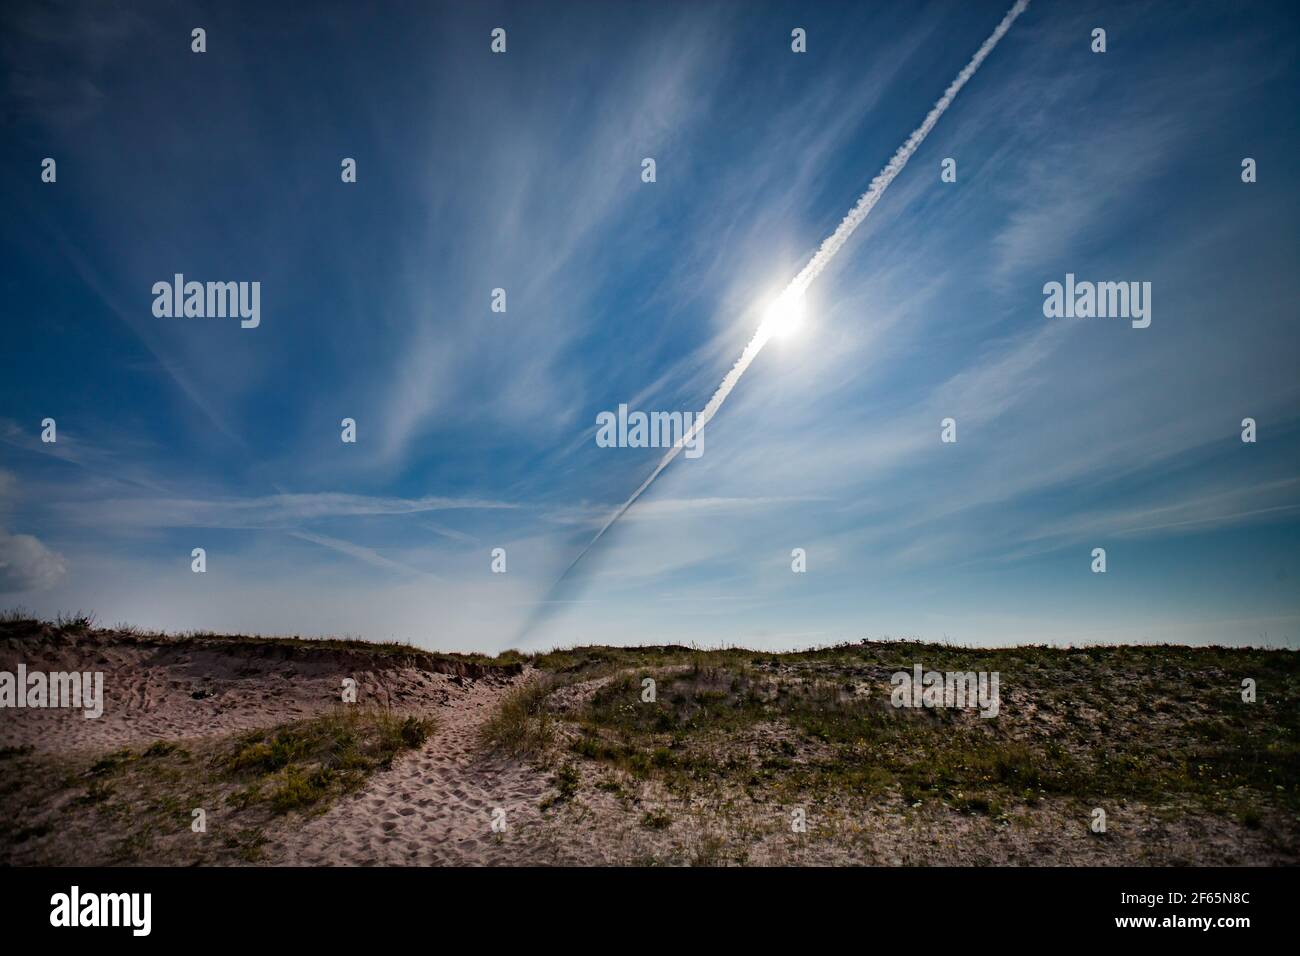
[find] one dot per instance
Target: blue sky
(522, 171)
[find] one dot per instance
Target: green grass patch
(521, 725)
(299, 765)
(147, 796)
(1116, 723)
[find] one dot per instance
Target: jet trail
(825, 253)
(895, 166)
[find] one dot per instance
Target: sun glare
(784, 315)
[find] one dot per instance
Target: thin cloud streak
(268, 511)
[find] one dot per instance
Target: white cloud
(27, 565)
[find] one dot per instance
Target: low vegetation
(1162, 725)
(521, 725)
(20, 625)
(147, 796)
(682, 755)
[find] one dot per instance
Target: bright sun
(784, 315)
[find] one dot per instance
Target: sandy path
(433, 807)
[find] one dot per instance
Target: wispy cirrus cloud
(362, 553)
(523, 172)
(266, 511)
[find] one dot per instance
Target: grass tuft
(521, 725)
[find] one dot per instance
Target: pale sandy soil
(436, 804)
(162, 689)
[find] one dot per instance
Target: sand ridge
(715, 774)
(162, 688)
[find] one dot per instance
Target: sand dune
(161, 688)
(579, 769)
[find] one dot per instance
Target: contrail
(825, 253)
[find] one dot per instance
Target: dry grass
(521, 726)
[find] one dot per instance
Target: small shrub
(656, 820)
